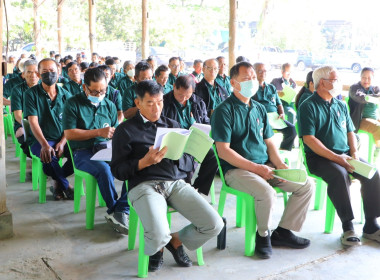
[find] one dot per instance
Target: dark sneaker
(69, 193)
(263, 247)
(119, 221)
(179, 255)
(156, 261)
(289, 240)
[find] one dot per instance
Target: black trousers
(206, 173)
(338, 187)
(24, 146)
(289, 134)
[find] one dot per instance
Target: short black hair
(83, 66)
(234, 72)
(173, 58)
(66, 58)
(148, 86)
(71, 64)
(44, 60)
(284, 66)
(220, 57)
(115, 58)
(150, 58)
(161, 68)
(241, 58)
(57, 55)
(94, 53)
(110, 61)
(93, 64)
(104, 68)
(185, 82)
(52, 53)
(197, 61)
(108, 57)
(365, 69)
(141, 66)
(93, 75)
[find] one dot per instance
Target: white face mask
(335, 91)
(131, 73)
(249, 88)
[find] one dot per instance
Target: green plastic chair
(371, 145)
(245, 209)
(134, 223)
(22, 157)
(8, 125)
(91, 187)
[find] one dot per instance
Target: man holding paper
(267, 96)
(243, 138)
(154, 182)
(187, 108)
(331, 153)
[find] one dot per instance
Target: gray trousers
(151, 207)
(265, 198)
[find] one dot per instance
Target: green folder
(362, 168)
(275, 122)
(298, 176)
(288, 94)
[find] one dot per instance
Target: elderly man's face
(182, 95)
(366, 79)
(210, 70)
(198, 67)
(150, 106)
(245, 74)
(287, 72)
(261, 73)
(174, 67)
(74, 72)
(162, 78)
(222, 66)
(31, 75)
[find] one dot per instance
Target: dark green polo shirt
(114, 96)
(329, 122)
(172, 78)
(17, 100)
(124, 84)
(268, 97)
(244, 127)
(129, 98)
(215, 97)
(167, 88)
(10, 84)
(38, 103)
(306, 94)
(224, 82)
(184, 114)
(80, 113)
(370, 109)
(65, 74)
(73, 87)
(199, 76)
(115, 81)
(62, 80)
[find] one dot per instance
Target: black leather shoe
(156, 261)
(263, 248)
(289, 240)
(179, 255)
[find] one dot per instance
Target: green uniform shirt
(129, 98)
(268, 97)
(73, 87)
(199, 76)
(62, 80)
(224, 82)
(38, 103)
(115, 81)
(80, 113)
(370, 109)
(184, 114)
(114, 96)
(10, 84)
(167, 88)
(124, 84)
(244, 127)
(329, 122)
(17, 100)
(215, 97)
(172, 78)
(65, 74)
(306, 94)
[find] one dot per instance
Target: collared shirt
(80, 113)
(225, 82)
(73, 87)
(17, 100)
(37, 102)
(10, 84)
(131, 142)
(124, 84)
(116, 79)
(268, 97)
(244, 127)
(129, 96)
(370, 110)
(114, 96)
(328, 122)
(185, 117)
(198, 77)
(172, 78)
(167, 88)
(306, 94)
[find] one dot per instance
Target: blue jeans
(102, 172)
(289, 134)
(53, 169)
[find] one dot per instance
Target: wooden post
(6, 225)
(59, 25)
(232, 33)
(36, 28)
(91, 20)
(145, 30)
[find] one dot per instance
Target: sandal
(350, 238)
(373, 236)
(57, 193)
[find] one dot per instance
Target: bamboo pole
(92, 19)
(145, 30)
(232, 33)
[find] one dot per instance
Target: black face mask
(49, 78)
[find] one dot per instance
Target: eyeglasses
(174, 66)
(212, 68)
(95, 92)
(261, 71)
(333, 80)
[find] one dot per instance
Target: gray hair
(322, 73)
(29, 62)
(257, 65)
(127, 63)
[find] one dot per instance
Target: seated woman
(306, 91)
(365, 113)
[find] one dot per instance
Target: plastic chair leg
(42, 186)
(22, 166)
(143, 259)
(35, 173)
(222, 202)
(132, 232)
(200, 256)
(330, 216)
(240, 212)
(90, 203)
(320, 192)
(78, 187)
(250, 227)
(212, 193)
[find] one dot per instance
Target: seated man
(197, 73)
(75, 85)
(31, 79)
(365, 115)
(208, 89)
(43, 107)
(186, 108)
(89, 121)
(222, 79)
(154, 182)
(327, 132)
(161, 75)
(286, 70)
(115, 76)
(174, 66)
(152, 62)
(142, 72)
(243, 138)
(267, 96)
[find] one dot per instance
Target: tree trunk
(145, 30)
(92, 20)
(232, 33)
(36, 28)
(59, 25)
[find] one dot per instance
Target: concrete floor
(51, 242)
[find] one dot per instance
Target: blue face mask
(249, 88)
(96, 100)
